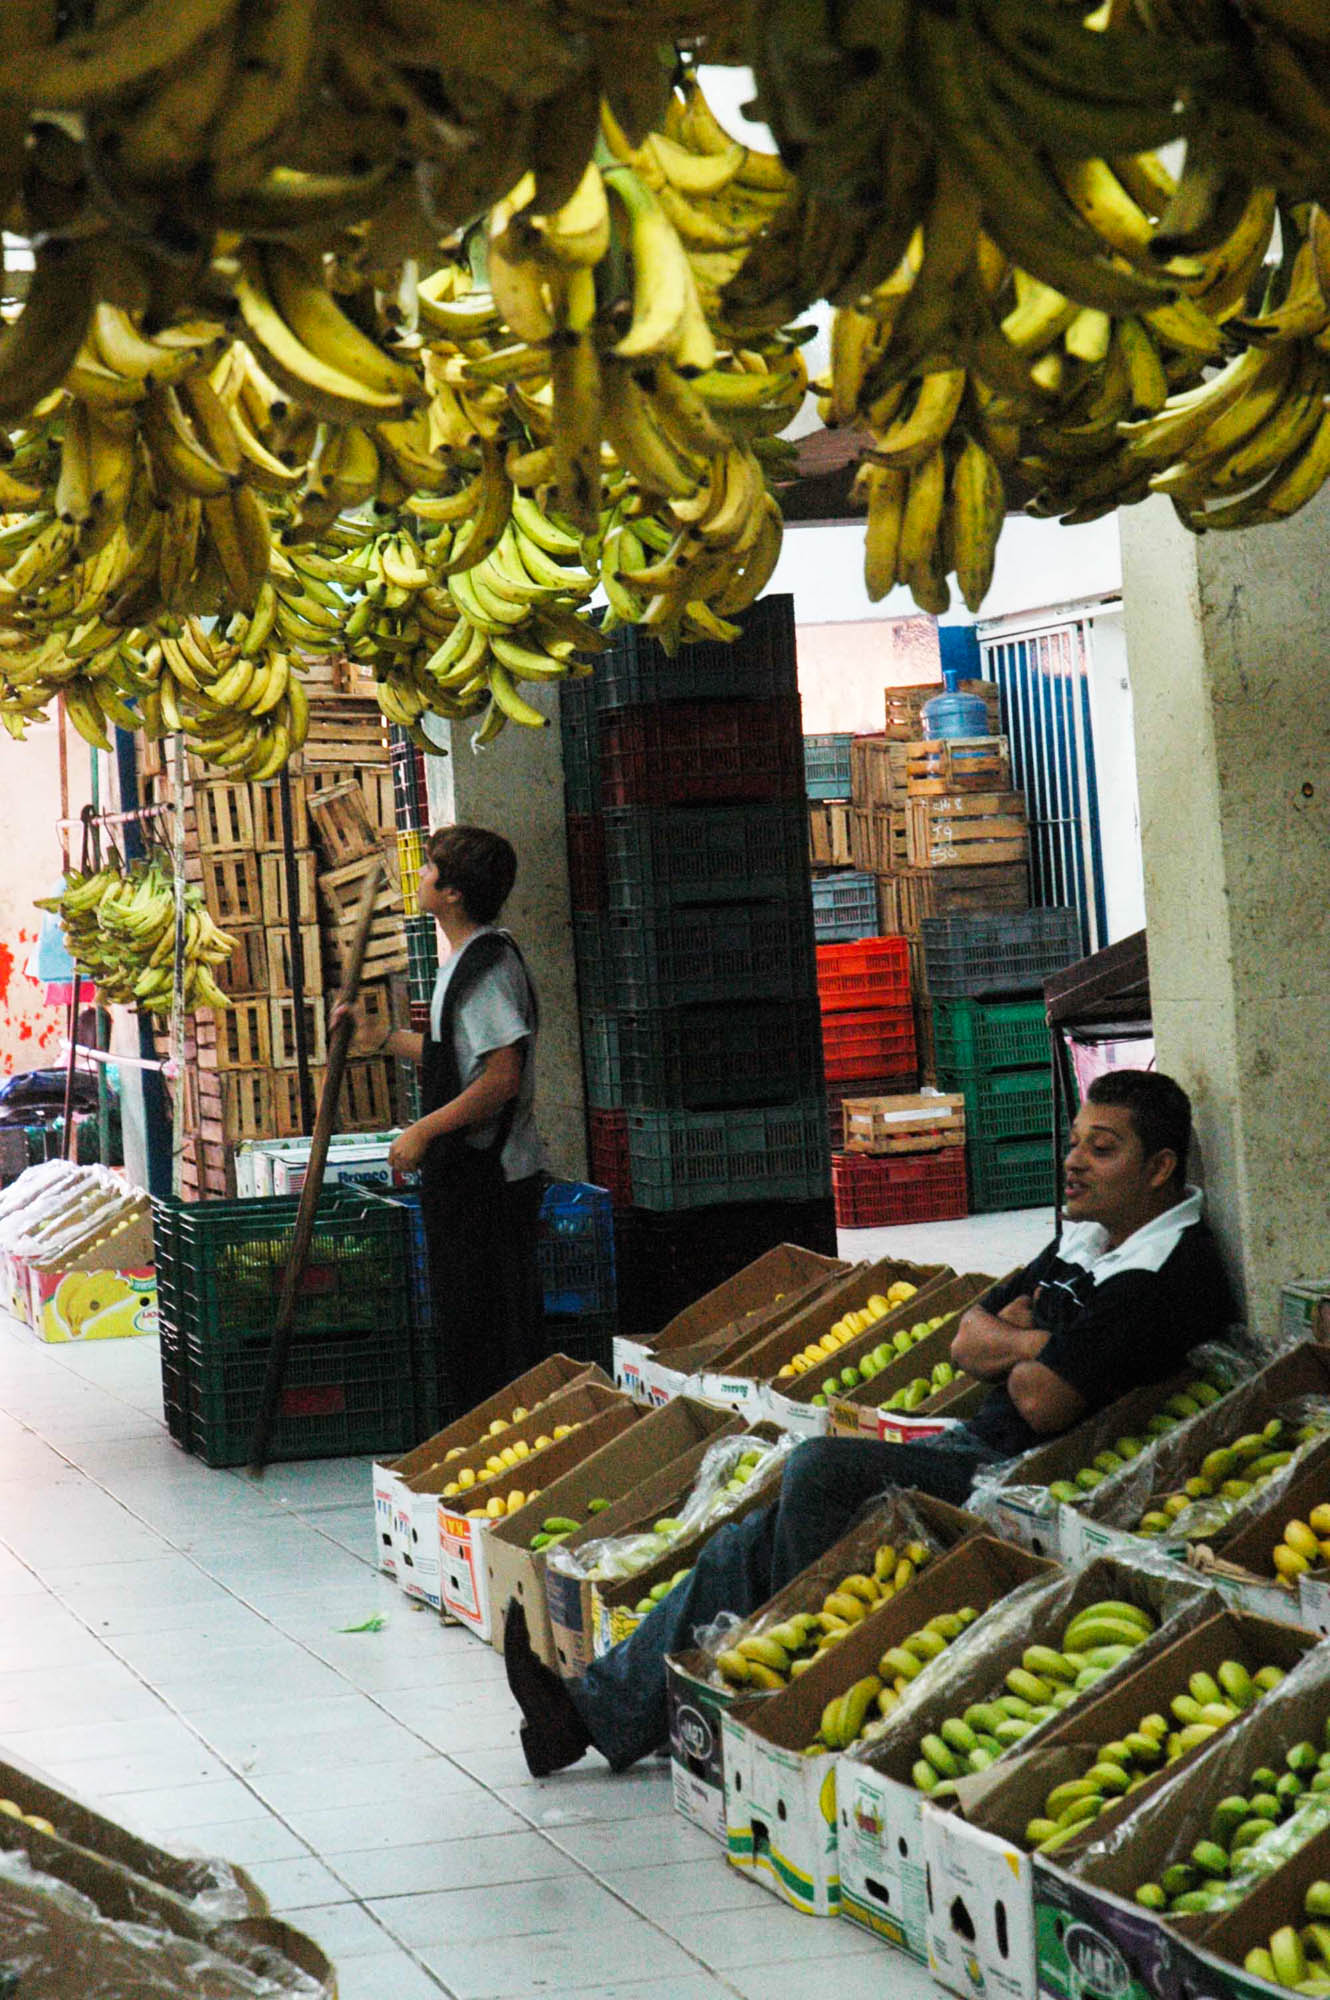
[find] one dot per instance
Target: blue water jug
(954, 713)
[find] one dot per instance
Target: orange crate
(224, 818)
(235, 1037)
(272, 869)
(246, 971)
(282, 1014)
(231, 888)
(904, 706)
(966, 829)
(366, 1102)
(279, 959)
(958, 764)
(878, 766)
(266, 806)
(915, 1124)
(288, 1118)
(235, 1104)
(342, 824)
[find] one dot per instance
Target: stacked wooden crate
(940, 827)
(241, 1079)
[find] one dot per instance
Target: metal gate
(1043, 679)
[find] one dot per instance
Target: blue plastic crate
(845, 907)
(576, 1250)
(827, 765)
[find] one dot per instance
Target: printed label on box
(462, 1570)
(883, 1881)
(697, 1756)
(981, 1920)
(92, 1305)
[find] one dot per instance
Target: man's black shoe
(553, 1733)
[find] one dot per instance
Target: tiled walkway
(172, 1646)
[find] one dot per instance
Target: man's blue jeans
(827, 1482)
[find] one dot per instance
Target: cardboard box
(1020, 1505)
(697, 1697)
(626, 1358)
(348, 1164)
(782, 1810)
(600, 1414)
(882, 1843)
(743, 1375)
(614, 1613)
(1212, 1966)
(1111, 1511)
(106, 1292)
(858, 1412)
(127, 1883)
(790, 1402)
(514, 1570)
(392, 1515)
(987, 1845)
(571, 1598)
(735, 1315)
(1243, 1568)
(1086, 1907)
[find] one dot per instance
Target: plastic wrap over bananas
(402, 328)
(120, 927)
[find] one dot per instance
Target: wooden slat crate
(966, 829)
(272, 870)
(340, 888)
(960, 892)
(904, 705)
(342, 825)
(366, 1102)
(376, 782)
(877, 771)
(878, 838)
(279, 959)
(889, 913)
(920, 1124)
(235, 1104)
(235, 1037)
(246, 971)
(345, 729)
(266, 802)
(282, 1015)
(385, 951)
(829, 833)
(231, 888)
(377, 1010)
(224, 818)
(958, 764)
(288, 1116)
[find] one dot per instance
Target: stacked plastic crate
(577, 1274)
(985, 977)
(868, 1043)
(844, 897)
(687, 843)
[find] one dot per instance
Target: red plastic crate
(419, 1016)
(586, 861)
(869, 972)
(872, 1192)
(871, 1041)
(608, 1158)
(702, 753)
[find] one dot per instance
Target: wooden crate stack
(940, 827)
(241, 1079)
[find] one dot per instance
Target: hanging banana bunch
(120, 928)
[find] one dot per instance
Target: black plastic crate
(595, 990)
(1006, 951)
(700, 1058)
(174, 1361)
(575, 1247)
(580, 743)
(696, 956)
(344, 1395)
(699, 1159)
(655, 857)
(588, 1338)
(702, 753)
(666, 1261)
(757, 666)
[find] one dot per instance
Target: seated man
(1133, 1283)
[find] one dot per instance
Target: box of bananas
(875, 1561)
(1091, 1770)
(1106, 1604)
(1206, 1478)
(120, 928)
(1277, 1939)
(1021, 1498)
(781, 1790)
(1284, 1542)
(738, 1312)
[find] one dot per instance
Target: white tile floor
(173, 1645)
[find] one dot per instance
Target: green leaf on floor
(374, 1624)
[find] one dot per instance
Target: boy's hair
(480, 865)
(1159, 1108)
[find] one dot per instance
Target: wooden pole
(339, 1043)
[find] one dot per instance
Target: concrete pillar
(515, 785)
(1229, 641)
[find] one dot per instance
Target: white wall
(1115, 765)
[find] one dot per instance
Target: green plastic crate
(1004, 1103)
(342, 1397)
(1011, 1173)
(986, 1035)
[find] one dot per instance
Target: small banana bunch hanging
(120, 927)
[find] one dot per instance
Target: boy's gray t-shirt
(496, 1013)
